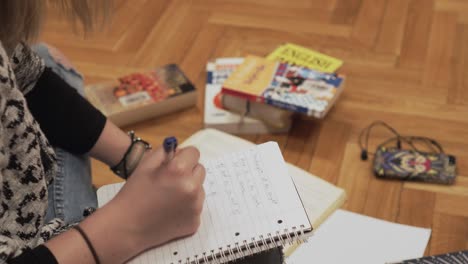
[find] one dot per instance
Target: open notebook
(251, 203)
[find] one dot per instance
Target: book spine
(209, 77)
(242, 95)
(290, 107)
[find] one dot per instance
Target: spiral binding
(257, 245)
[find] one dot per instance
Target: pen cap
(170, 144)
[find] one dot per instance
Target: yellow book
(301, 56)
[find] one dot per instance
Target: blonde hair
(21, 20)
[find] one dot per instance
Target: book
(230, 114)
(285, 86)
(251, 205)
(301, 56)
(319, 199)
(275, 119)
(140, 96)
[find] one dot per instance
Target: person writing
(38, 110)
(47, 133)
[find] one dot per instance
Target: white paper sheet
(348, 237)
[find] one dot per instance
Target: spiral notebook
(251, 205)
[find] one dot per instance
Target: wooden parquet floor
(406, 63)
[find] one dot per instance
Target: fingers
(199, 173)
(157, 156)
(199, 176)
(190, 155)
(184, 161)
(200, 201)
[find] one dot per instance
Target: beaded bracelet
(132, 156)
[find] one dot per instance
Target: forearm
(111, 144)
(111, 241)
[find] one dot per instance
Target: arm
(69, 121)
(111, 144)
(169, 208)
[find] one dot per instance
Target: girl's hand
(162, 201)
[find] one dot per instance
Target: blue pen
(169, 145)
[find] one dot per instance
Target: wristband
(132, 156)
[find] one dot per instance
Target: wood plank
(451, 204)
(141, 25)
(458, 91)
(329, 151)
(417, 30)
(309, 145)
(300, 25)
(345, 11)
(451, 5)
(161, 42)
(355, 176)
(313, 12)
(416, 208)
(368, 22)
(201, 50)
(460, 189)
(383, 74)
(459, 7)
(393, 26)
(294, 147)
(439, 67)
(449, 234)
(382, 198)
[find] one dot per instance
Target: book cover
(286, 86)
(140, 96)
(301, 56)
(217, 115)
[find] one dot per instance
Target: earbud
(364, 154)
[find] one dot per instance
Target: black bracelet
(88, 242)
(132, 156)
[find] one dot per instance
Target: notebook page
(320, 198)
(248, 195)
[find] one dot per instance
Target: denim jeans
(72, 191)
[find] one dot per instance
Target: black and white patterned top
(27, 160)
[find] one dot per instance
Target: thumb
(155, 157)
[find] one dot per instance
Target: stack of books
(233, 114)
(243, 95)
(261, 95)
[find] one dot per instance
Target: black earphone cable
(410, 140)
